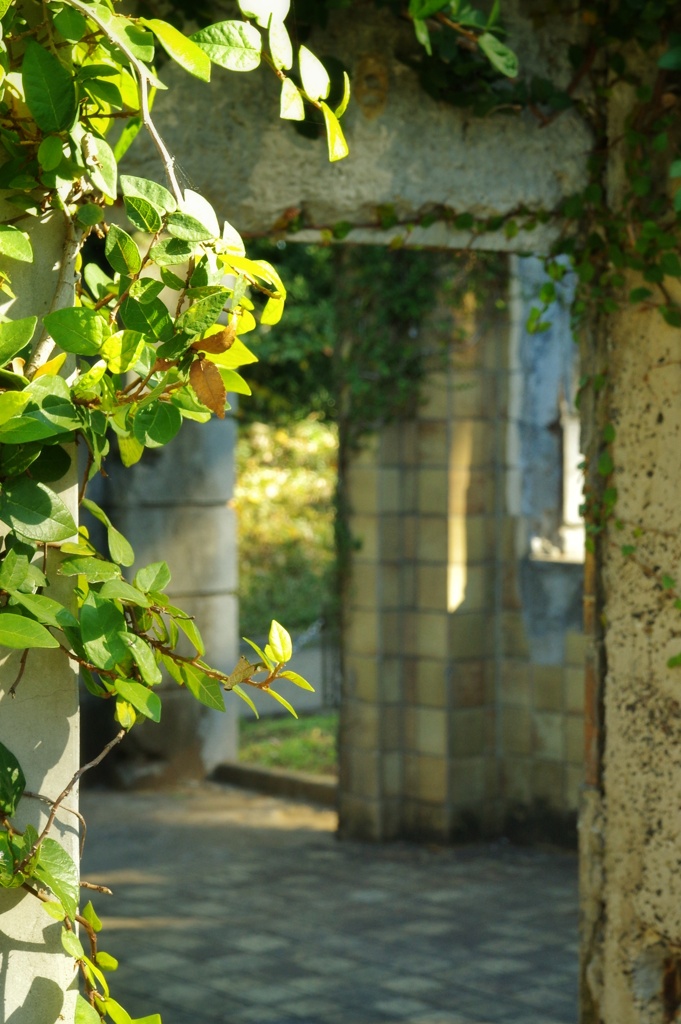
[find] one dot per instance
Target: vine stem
(144, 77)
(65, 792)
(61, 297)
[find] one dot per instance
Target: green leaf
(56, 868)
(121, 252)
(425, 8)
(119, 590)
(234, 45)
(127, 137)
(182, 225)
(204, 312)
(34, 511)
(50, 152)
(101, 165)
(49, 89)
(123, 350)
(141, 698)
(639, 294)
(671, 60)
(184, 51)
(14, 335)
(119, 547)
(45, 610)
(144, 659)
(106, 962)
(206, 690)
(143, 214)
(70, 24)
(314, 76)
(101, 623)
(150, 318)
(20, 633)
(499, 55)
(153, 578)
(338, 147)
(95, 570)
(90, 915)
(144, 188)
(157, 424)
(188, 627)
(291, 106)
(171, 251)
(72, 943)
(14, 570)
(85, 1014)
(78, 330)
(297, 679)
(280, 642)
(15, 244)
(605, 464)
(423, 35)
(674, 662)
(12, 782)
(130, 450)
(54, 909)
(116, 1012)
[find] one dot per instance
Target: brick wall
(457, 719)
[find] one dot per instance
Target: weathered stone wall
(406, 150)
(634, 826)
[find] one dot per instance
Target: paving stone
(284, 925)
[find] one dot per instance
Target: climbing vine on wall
(128, 352)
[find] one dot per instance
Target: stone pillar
(175, 505)
(417, 717)
(633, 968)
(40, 727)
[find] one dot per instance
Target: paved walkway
(243, 909)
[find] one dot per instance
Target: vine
(129, 353)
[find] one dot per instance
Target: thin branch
(65, 792)
(96, 888)
(70, 810)
(86, 475)
(22, 667)
(144, 77)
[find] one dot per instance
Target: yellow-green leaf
(280, 642)
(297, 680)
(291, 106)
(338, 147)
(183, 50)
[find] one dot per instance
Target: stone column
(175, 505)
(40, 727)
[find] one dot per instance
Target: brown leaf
(205, 378)
(217, 343)
(243, 671)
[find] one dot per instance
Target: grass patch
(306, 745)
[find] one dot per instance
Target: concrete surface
(406, 150)
(234, 908)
